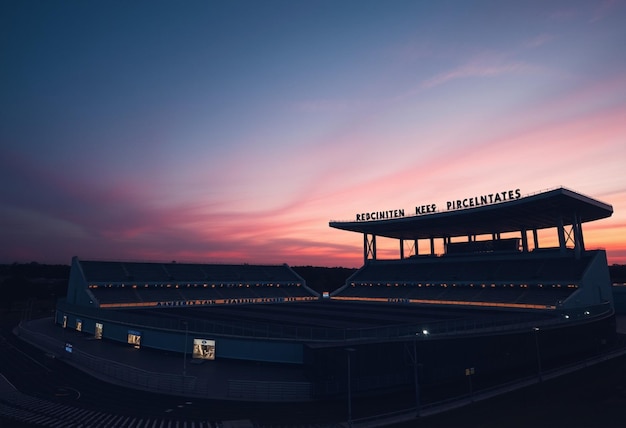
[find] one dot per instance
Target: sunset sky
(210, 131)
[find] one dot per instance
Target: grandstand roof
(538, 211)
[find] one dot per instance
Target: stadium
(486, 298)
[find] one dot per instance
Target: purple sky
(234, 131)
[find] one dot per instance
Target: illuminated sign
(134, 338)
(477, 201)
(98, 332)
(426, 209)
(456, 204)
(204, 349)
(379, 215)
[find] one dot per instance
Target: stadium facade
(492, 303)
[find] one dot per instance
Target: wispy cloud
(478, 69)
(539, 40)
(329, 105)
(604, 8)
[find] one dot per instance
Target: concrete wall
(179, 340)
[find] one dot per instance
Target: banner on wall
(98, 331)
(134, 338)
(204, 349)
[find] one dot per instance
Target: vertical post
(349, 352)
(561, 234)
(185, 349)
(417, 386)
(579, 245)
(524, 241)
(580, 234)
(469, 372)
(374, 247)
(536, 330)
(369, 248)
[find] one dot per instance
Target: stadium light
(425, 332)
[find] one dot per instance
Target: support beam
(369, 248)
(401, 249)
(560, 229)
(579, 244)
(580, 234)
(524, 241)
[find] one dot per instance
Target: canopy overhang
(549, 209)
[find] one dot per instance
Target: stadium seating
(153, 284)
(540, 281)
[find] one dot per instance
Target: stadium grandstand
(124, 284)
(493, 300)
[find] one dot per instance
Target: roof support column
(580, 234)
(401, 249)
(535, 239)
(432, 246)
(561, 232)
(369, 248)
(524, 241)
(579, 244)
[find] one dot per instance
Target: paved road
(70, 395)
(40, 377)
(50, 380)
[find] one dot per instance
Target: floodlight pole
(417, 386)
(349, 352)
(536, 330)
(185, 350)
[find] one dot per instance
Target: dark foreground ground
(592, 397)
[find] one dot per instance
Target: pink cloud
(329, 105)
(479, 69)
(539, 41)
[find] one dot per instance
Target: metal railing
(167, 383)
(276, 331)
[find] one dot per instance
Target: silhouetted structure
(493, 303)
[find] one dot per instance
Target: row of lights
(472, 285)
(227, 285)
